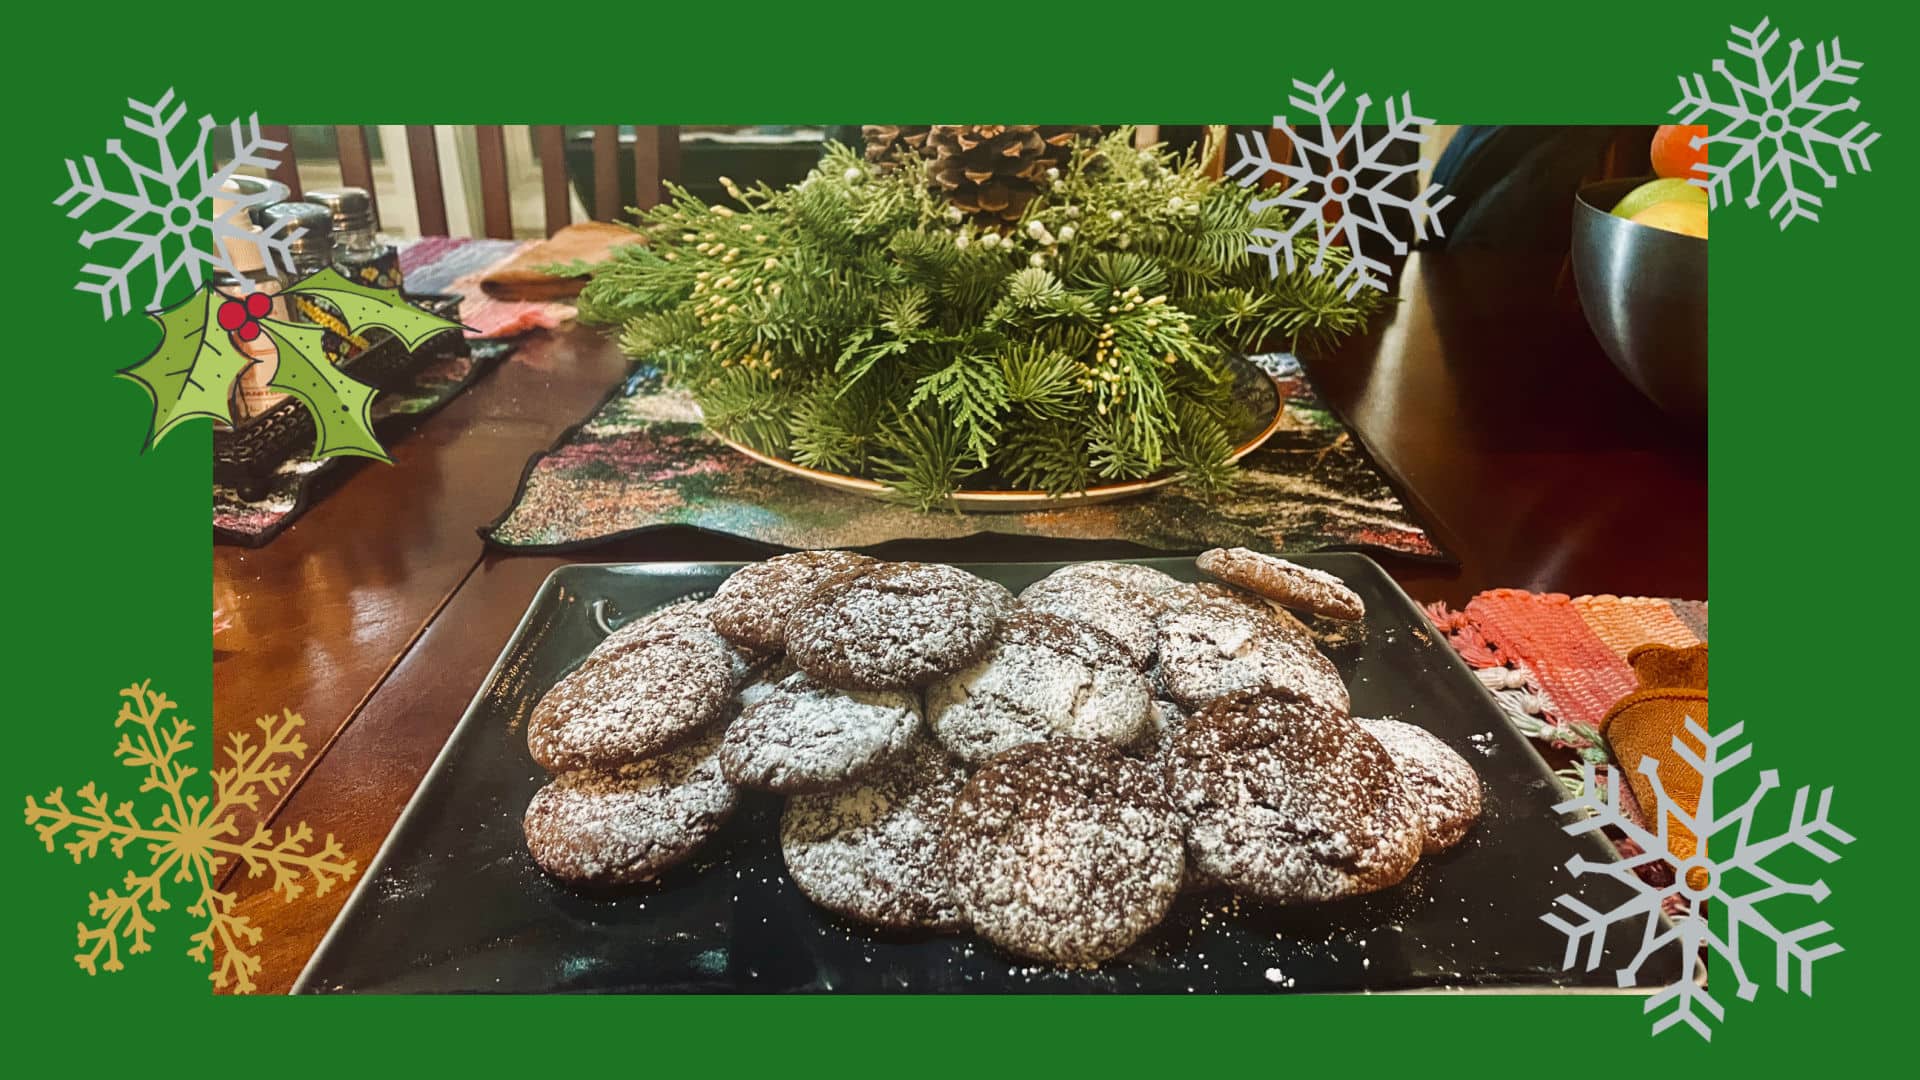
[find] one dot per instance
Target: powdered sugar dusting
(1212, 648)
(802, 736)
(1120, 599)
(1444, 788)
(870, 851)
(1044, 677)
(751, 607)
(894, 625)
(647, 688)
(1291, 802)
(627, 825)
(1064, 851)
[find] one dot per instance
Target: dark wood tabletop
(379, 612)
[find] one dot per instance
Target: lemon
(1686, 218)
(1672, 189)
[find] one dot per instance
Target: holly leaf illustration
(191, 371)
(363, 306)
(340, 406)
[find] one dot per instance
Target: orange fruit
(1686, 218)
(1674, 153)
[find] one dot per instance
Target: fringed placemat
(643, 460)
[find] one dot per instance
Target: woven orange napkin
(1644, 723)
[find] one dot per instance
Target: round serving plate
(1251, 381)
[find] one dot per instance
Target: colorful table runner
(642, 460)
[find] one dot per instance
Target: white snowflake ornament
(1708, 882)
(1342, 173)
(1773, 123)
(169, 220)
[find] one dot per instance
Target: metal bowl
(1644, 291)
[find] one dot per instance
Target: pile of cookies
(1049, 771)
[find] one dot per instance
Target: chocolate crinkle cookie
(1064, 851)
(869, 851)
(1118, 599)
(894, 625)
(1291, 802)
(654, 684)
(1043, 677)
(618, 826)
(1444, 788)
(1285, 583)
(751, 607)
(1213, 647)
(801, 736)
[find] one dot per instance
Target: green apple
(1670, 189)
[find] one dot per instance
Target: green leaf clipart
(191, 371)
(340, 406)
(363, 306)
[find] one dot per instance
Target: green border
(109, 549)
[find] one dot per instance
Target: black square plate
(453, 903)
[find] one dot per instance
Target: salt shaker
(360, 253)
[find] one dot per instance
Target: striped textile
(1555, 661)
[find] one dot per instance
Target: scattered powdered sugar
(894, 625)
(1063, 851)
(870, 851)
(802, 736)
(629, 824)
(1291, 802)
(1212, 648)
(1044, 677)
(1444, 788)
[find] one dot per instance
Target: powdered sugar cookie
(652, 685)
(1212, 648)
(1290, 802)
(1285, 582)
(894, 625)
(1444, 788)
(751, 607)
(614, 827)
(1119, 599)
(1064, 851)
(1043, 678)
(870, 850)
(801, 736)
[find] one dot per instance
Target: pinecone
(990, 171)
(887, 143)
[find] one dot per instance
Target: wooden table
(379, 612)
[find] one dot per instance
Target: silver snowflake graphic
(1706, 882)
(166, 209)
(1772, 125)
(1339, 184)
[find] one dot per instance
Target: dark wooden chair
(656, 158)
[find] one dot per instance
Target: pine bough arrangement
(982, 307)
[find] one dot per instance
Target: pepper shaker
(311, 252)
(360, 253)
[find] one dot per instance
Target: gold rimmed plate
(1256, 386)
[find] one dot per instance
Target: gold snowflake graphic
(190, 838)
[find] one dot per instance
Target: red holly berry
(241, 317)
(233, 314)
